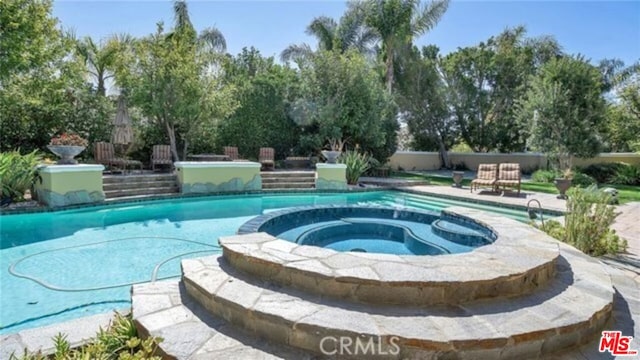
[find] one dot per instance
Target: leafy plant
(69, 139)
(18, 173)
(584, 180)
(588, 222)
(626, 175)
(602, 172)
(357, 164)
(544, 176)
(118, 342)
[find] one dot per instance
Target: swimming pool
(57, 266)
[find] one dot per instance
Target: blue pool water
(387, 230)
(63, 265)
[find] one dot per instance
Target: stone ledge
(521, 260)
(163, 309)
(568, 312)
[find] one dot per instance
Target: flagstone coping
(163, 309)
(570, 311)
(521, 260)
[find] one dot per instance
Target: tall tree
(264, 93)
(29, 36)
(486, 80)
(397, 23)
(348, 34)
(169, 79)
(342, 98)
(99, 59)
(565, 108)
(423, 101)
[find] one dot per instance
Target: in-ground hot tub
(374, 229)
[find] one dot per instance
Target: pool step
(110, 194)
(164, 309)
(458, 234)
(288, 180)
(384, 279)
(569, 312)
(137, 186)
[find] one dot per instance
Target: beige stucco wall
(218, 176)
(217, 173)
(331, 176)
(416, 160)
(63, 183)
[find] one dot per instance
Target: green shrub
(626, 175)
(545, 176)
(357, 164)
(118, 342)
(587, 223)
(603, 172)
(582, 180)
(18, 173)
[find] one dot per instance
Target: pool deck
(624, 270)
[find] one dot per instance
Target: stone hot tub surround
(222, 300)
(520, 260)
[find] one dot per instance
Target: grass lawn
(626, 193)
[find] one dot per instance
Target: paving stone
(162, 319)
(147, 304)
(185, 338)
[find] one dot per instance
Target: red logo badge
(616, 344)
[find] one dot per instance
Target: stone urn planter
(66, 153)
(457, 178)
(331, 156)
(562, 185)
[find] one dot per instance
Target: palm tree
(99, 59)
(209, 40)
(397, 23)
(349, 33)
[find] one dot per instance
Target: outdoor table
(209, 157)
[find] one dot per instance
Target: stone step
(146, 191)
(268, 180)
(570, 311)
(141, 197)
(289, 185)
(115, 179)
(163, 309)
(284, 174)
(520, 261)
(139, 185)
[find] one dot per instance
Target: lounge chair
(266, 158)
(105, 154)
(508, 176)
(487, 176)
(231, 152)
(161, 155)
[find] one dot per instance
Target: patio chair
(105, 154)
(266, 158)
(509, 176)
(487, 176)
(161, 155)
(231, 152)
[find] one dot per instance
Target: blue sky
(596, 29)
